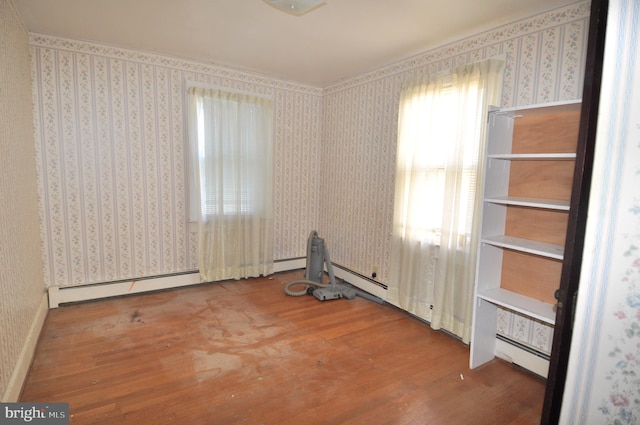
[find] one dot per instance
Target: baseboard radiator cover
(359, 281)
(69, 294)
(523, 356)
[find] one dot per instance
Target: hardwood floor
(243, 352)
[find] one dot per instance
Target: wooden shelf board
(553, 204)
(519, 303)
(526, 245)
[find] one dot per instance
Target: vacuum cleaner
(317, 257)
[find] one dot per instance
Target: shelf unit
(530, 159)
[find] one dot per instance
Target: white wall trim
(23, 363)
(523, 358)
(69, 294)
(288, 265)
(359, 282)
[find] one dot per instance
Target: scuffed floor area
(242, 352)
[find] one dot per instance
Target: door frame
(574, 243)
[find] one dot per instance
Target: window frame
(195, 154)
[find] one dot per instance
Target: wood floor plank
(243, 352)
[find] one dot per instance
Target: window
(231, 188)
(435, 238)
(429, 151)
(228, 153)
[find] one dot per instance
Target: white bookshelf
(526, 190)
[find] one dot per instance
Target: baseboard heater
(93, 291)
(522, 355)
(361, 282)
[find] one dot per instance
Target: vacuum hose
(305, 291)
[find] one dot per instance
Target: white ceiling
(341, 39)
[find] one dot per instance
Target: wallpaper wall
(112, 171)
(21, 279)
(544, 62)
(603, 382)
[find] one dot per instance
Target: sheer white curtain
(438, 175)
(232, 160)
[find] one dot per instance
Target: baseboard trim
(521, 357)
(289, 264)
(360, 282)
(21, 369)
(69, 294)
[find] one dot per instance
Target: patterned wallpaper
(112, 168)
(21, 279)
(603, 377)
(544, 62)
(110, 148)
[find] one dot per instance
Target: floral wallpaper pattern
(21, 276)
(112, 170)
(603, 377)
(622, 406)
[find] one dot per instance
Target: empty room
(319, 212)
